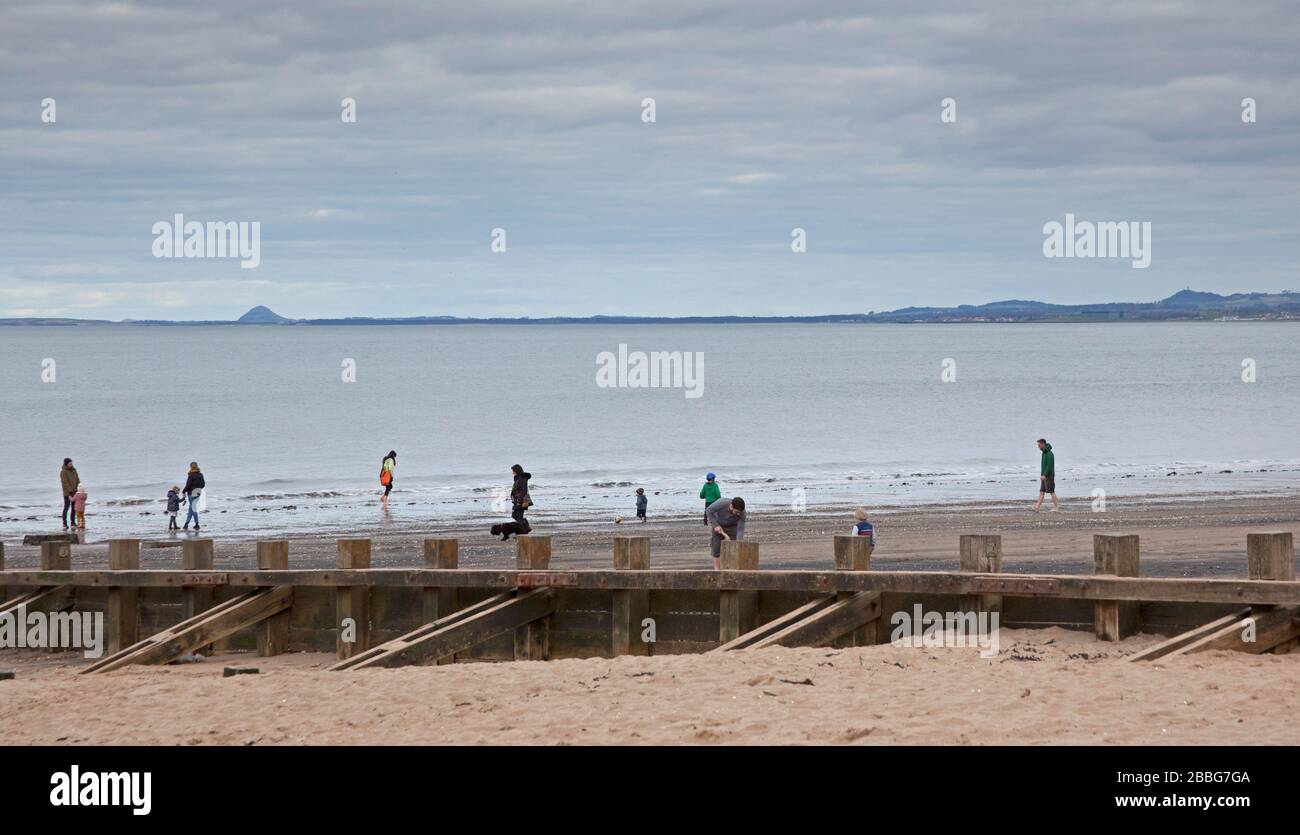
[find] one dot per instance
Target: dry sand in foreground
(1046, 686)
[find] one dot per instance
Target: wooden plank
(467, 630)
(410, 640)
(56, 556)
(196, 556)
(778, 624)
(1269, 629)
(1183, 639)
(273, 633)
(123, 613)
(533, 638)
(352, 603)
(51, 599)
(1270, 556)
(737, 610)
(1118, 556)
(226, 619)
(440, 601)
(852, 553)
(980, 554)
(630, 606)
(822, 627)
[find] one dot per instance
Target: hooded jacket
(69, 479)
(520, 488)
(1049, 462)
(194, 482)
(711, 492)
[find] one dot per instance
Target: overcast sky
(528, 116)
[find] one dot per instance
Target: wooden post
(273, 633)
(533, 640)
(853, 553)
(1271, 556)
(353, 602)
(1115, 620)
(737, 610)
(123, 613)
(196, 555)
(631, 553)
(56, 556)
(981, 554)
(439, 602)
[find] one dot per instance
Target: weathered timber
(352, 605)
(778, 624)
(1270, 556)
(50, 599)
(630, 606)
(1257, 633)
(820, 628)
(220, 621)
(459, 632)
(123, 614)
(273, 633)
(1183, 639)
(1118, 556)
(440, 601)
(56, 555)
(196, 555)
(533, 638)
(737, 610)
(980, 554)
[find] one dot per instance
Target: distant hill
(1181, 306)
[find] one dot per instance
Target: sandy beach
(1049, 686)
(1200, 535)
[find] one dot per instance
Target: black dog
(516, 528)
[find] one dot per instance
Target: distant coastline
(1183, 306)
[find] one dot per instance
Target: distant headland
(1185, 305)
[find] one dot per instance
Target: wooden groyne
(437, 613)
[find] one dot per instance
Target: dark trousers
(517, 513)
(67, 510)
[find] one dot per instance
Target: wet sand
(1193, 536)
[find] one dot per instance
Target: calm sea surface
(842, 413)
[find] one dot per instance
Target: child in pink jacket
(79, 505)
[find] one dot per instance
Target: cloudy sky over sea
(528, 117)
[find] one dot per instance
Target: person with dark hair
(68, 481)
(194, 485)
(387, 470)
(727, 519)
(520, 500)
(1046, 476)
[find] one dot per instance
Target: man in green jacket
(68, 481)
(711, 492)
(1046, 476)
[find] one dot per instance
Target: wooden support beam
(225, 619)
(56, 556)
(631, 606)
(774, 626)
(196, 555)
(980, 554)
(273, 634)
(1115, 555)
(123, 614)
(1191, 636)
(352, 606)
(460, 632)
(737, 610)
(853, 553)
(440, 601)
(533, 639)
(48, 599)
(825, 625)
(1270, 556)
(1259, 632)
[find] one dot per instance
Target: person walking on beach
(710, 492)
(68, 481)
(173, 507)
(1046, 476)
(194, 484)
(727, 516)
(79, 505)
(520, 500)
(641, 502)
(387, 470)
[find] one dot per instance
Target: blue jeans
(194, 511)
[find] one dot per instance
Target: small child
(173, 507)
(863, 527)
(641, 502)
(79, 505)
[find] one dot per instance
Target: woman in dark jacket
(194, 485)
(519, 498)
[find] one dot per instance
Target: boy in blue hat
(711, 492)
